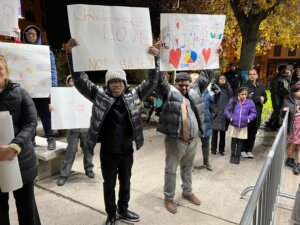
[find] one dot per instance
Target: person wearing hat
(73, 137)
(115, 122)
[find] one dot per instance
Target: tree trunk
(248, 52)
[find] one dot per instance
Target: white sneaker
(244, 154)
(250, 155)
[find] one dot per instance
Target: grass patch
(267, 108)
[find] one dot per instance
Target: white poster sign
(110, 37)
(190, 41)
(10, 174)
(29, 65)
(70, 112)
(9, 13)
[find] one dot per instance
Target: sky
(57, 20)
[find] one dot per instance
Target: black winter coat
(254, 93)
(220, 121)
(102, 101)
(290, 102)
(170, 118)
(21, 107)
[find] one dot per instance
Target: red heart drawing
(175, 57)
(206, 54)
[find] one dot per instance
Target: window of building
(277, 50)
(292, 52)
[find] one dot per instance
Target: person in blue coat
(33, 35)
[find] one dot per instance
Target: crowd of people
(203, 109)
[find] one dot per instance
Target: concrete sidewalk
(80, 200)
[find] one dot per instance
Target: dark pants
(214, 141)
(73, 138)
(113, 165)
(25, 203)
(236, 147)
(275, 121)
(42, 108)
(248, 144)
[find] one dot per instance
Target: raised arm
(81, 80)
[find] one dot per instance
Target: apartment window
(277, 50)
(292, 52)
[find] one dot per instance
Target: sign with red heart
(206, 54)
(175, 57)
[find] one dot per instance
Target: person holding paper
(181, 120)
(116, 122)
(19, 104)
(73, 137)
(33, 35)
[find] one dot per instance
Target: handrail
(261, 206)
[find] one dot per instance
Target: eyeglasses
(222, 78)
(30, 34)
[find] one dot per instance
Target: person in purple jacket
(239, 111)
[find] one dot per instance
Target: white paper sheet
(8, 17)
(29, 66)
(72, 111)
(190, 41)
(110, 37)
(10, 174)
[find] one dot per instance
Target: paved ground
(80, 200)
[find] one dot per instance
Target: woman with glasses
(33, 35)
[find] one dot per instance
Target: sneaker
(244, 154)
(129, 216)
(170, 206)
(290, 162)
(250, 155)
(192, 199)
(90, 174)
(296, 169)
(61, 181)
(51, 143)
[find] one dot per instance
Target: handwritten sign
(110, 37)
(70, 112)
(29, 65)
(8, 17)
(190, 42)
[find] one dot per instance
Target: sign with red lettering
(190, 41)
(110, 37)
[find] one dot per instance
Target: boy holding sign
(115, 123)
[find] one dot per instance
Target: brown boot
(192, 199)
(170, 206)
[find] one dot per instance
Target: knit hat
(115, 74)
(68, 79)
